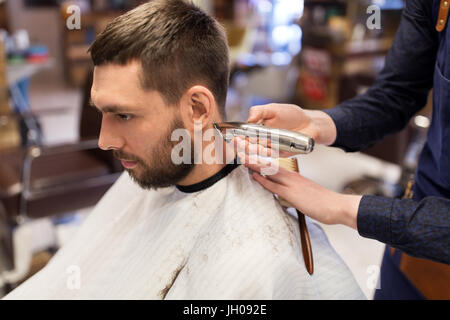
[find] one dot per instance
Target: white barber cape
(231, 240)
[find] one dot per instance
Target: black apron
(403, 276)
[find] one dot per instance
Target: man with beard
(179, 231)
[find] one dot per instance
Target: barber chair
(40, 181)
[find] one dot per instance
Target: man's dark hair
(177, 44)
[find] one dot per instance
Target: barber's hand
(305, 195)
(314, 123)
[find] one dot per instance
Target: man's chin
(145, 184)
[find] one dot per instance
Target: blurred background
(314, 53)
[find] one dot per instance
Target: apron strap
(443, 15)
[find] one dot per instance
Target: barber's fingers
(252, 162)
(255, 146)
(270, 170)
(270, 185)
(261, 114)
(260, 146)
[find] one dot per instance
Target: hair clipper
(286, 140)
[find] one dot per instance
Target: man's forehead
(117, 75)
(113, 81)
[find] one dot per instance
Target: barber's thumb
(255, 115)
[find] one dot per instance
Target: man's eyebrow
(109, 109)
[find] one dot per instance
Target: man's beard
(160, 171)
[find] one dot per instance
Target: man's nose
(109, 139)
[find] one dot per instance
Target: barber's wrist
(325, 126)
(347, 210)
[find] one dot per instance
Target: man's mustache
(125, 156)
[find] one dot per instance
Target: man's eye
(124, 117)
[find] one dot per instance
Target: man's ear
(198, 107)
